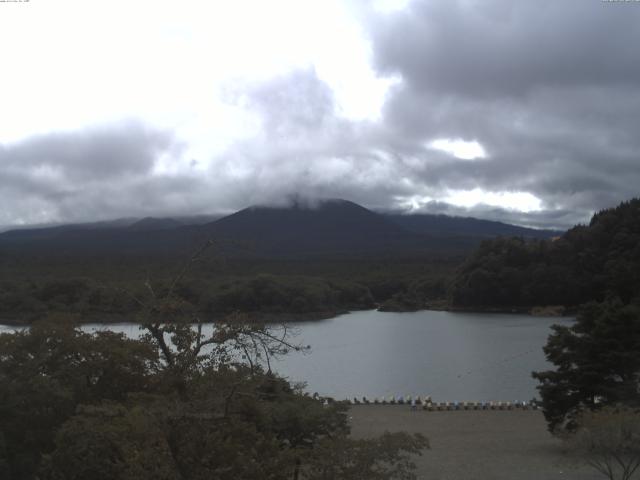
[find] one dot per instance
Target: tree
(50, 369)
(609, 440)
(597, 363)
(587, 263)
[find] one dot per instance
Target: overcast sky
(524, 111)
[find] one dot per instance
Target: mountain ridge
(440, 224)
(328, 227)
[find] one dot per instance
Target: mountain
(443, 225)
(197, 219)
(54, 230)
(153, 224)
(329, 228)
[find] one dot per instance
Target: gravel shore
(476, 445)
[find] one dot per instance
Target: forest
(588, 263)
(100, 290)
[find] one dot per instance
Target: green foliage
(402, 302)
(164, 437)
(515, 272)
(99, 289)
(47, 371)
(270, 437)
(24, 300)
(110, 441)
(277, 294)
(587, 263)
(264, 293)
(597, 363)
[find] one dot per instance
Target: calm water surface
(450, 356)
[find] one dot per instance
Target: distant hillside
(586, 263)
(330, 228)
(443, 225)
(151, 224)
(54, 230)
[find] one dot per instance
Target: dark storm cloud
(95, 153)
(550, 89)
(501, 47)
(83, 175)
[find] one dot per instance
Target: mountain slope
(443, 225)
(331, 227)
(153, 224)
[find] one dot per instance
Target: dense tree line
(269, 293)
(25, 300)
(588, 263)
(101, 294)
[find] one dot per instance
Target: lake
(450, 356)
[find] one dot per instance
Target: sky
(526, 112)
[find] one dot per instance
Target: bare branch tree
(609, 440)
(175, 327)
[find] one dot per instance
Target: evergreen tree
(597, 363)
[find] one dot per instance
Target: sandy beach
(476, 445)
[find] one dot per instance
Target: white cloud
(521, 201)
(390, 6)
(70, 63)
(459, 148)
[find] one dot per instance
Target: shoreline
(116, 318)
(290, 317)
(534, 311)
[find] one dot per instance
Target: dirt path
(476, 445)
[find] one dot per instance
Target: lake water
(450, 356)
